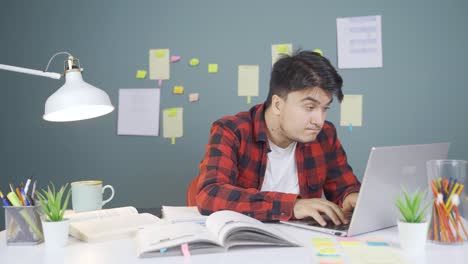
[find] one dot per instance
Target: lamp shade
(76, 100)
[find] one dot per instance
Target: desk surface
(123, 251)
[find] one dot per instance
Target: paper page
(151, 239)
(359, 42)
(173, 122)
(351, 110)
(116, 227)
(175, 214)
(367, 255)
(234, 228)
(99, 214)
(138, 112)
(277, 50)
(247, 80)
(159, 64)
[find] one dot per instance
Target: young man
(273, 162)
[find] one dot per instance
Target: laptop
(388, 169)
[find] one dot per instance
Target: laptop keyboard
(330, 224)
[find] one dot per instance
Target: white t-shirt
(281, 170)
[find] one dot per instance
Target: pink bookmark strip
(185, 250)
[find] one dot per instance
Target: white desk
(123, 251)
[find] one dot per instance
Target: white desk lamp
(76, 99)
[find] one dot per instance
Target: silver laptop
(388, 168)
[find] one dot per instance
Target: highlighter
(14, 200)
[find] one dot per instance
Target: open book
(108, 224)
(223, 230)
(176, 214)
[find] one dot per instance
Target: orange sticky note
(193, 97)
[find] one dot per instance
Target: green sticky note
(282, 49)
(212, 68)
(319, 51)
(160, 53)
(194, 62)
(141, 74)
(172, 112)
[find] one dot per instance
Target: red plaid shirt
(232, 172)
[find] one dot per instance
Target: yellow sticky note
(172, 112)
(178, 90)
(212, 68)
(141, 74)
(160, 53)
(323, 242)
(249, 100)
(173, 140)
(327, 251)
(279, 50)
(173, 122)
(350, 243)
(319, 51)
(351, 110)
(159, 64)
(194, 62)
(282, 49)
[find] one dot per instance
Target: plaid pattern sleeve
(340, 180)
(232, 170)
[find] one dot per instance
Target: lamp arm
(53, 56)
(52, 75)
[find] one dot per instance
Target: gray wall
(418, 97)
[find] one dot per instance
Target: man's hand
(317, 206)
(350, 202)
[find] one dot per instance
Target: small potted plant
(412, 227)
(54, 203)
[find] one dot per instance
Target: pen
(26, 186)
(5, 200)
(25, 199)
(20, 197)
(33, 191)
(11, 187)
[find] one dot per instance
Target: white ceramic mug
(87, 195)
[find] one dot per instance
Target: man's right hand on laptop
(315, 207)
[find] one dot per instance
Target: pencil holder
(447, 185)
(23, 225)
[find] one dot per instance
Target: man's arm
(217, 188)
(341, 180)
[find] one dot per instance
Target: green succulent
(52, 202)
(410, 206)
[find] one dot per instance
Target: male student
(273, 162)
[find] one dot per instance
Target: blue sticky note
(350, 127)
(162, 250)
(377, 244)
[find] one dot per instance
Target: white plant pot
(413, 236)
(56, 233)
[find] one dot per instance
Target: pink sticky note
(175, 58)
(160, 83)
(185, 250)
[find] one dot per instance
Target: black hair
(303, 69)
